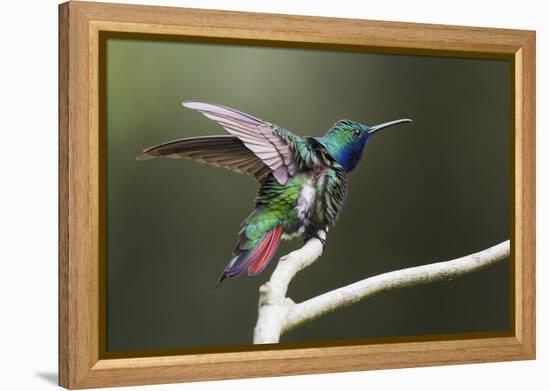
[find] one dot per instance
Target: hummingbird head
(346, 140)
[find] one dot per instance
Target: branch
(350, 294)
(278, 314)
(273, 305)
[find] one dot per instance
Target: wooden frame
(80, 24)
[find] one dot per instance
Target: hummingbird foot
(321, 239)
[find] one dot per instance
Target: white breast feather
(306, 200)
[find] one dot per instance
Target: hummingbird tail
(256, 259)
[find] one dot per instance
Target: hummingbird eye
(356, 132)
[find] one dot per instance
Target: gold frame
(81, 24)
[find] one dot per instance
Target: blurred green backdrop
(428, 191)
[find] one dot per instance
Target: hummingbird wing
(276, 147)
(220, 151)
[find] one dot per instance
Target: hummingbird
(303, 180)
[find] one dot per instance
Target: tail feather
(256, 259)
(259, 264)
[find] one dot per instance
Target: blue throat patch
(347, 154)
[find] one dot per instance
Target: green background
(428, 191)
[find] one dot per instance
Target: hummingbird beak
(376, 128)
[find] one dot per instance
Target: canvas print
(264, 195)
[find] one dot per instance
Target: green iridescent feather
(303, 180)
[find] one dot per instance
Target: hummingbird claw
(322, 240)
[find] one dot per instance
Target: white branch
(350, 294)
(274, 306)
(278, 314)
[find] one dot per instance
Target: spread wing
(278, 148)
(220, 151)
